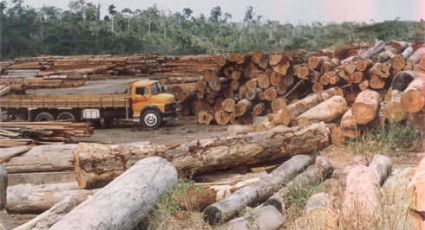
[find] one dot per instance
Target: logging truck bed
(67, 101)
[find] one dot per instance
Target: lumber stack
(25, 133)
(255, 84)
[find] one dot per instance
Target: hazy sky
(293, 11)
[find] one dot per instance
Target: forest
(82, 29)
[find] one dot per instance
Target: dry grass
(169, 213)
(393, 139)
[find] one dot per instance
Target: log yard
(294, 138)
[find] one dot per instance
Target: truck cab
(150, 105)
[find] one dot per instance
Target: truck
(143, 101)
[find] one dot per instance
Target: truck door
(140, 99)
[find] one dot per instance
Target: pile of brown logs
(72, 71)
(256, 84)
(26, 133)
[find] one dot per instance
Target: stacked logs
(253, 85)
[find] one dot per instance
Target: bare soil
(179, 131)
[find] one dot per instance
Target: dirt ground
(178, 131)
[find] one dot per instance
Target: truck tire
(66, 116)
(44, 116)
(150, 119)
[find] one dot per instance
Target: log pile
(258, 84)
(26, 133)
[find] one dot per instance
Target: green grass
(392, 139)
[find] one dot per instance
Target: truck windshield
(156, 89)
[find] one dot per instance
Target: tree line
(81, 29)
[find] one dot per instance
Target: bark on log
(27, 198)
(319, 213)
(377, 48)
(284, 117)
(315, 173)
(416, 193)
(44, 158)
(262, 218)
(8, 153)
(3, 187)
(256, 193)
(204, 117)
(413, 98)
(365, 107)
(95, 165)
(48, 218)
(362, 196)
(124, 202)
(327, 111)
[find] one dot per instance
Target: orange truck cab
(150, 105)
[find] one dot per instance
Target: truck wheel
(150, 119)
(44, 116)
(66, 116)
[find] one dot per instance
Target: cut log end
(413, 101)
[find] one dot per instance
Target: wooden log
(269, 94)
(301, 71)
(95, 168)
(413, 98)
(376, 82)
(258, 109)
(242, 107)
(327, 111)
(315, 62)
(228, 105)
(416, 201)
(365, 107)
(364, 85)
(124, 202)
(237, 58)
(315, 173)
(234, 130)
(8, 153)
(357, 77)
(3, 187)
(398, 62)
(27, 198)
(374, 50)
(284, 117)
(362, 65)
(267, 217)
(275, 59)
(47, 158)
(263, 80)
(348, 121)
(416, 56)
(48, 218)
(278, 104)
(253, 194)
(319, 213)
(362, 196)
(283, 66)
(275, 78)
(204, 117)
(259, 59)
(221, 117)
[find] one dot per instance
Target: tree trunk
(262, 218)
(327, 111)
(278, 104)
(413, 98)
(3, 187)
(365, 107)
(48, 218)
(96, 165)
(221, 117)
(124, 202)
(256, 193)
(228, 105)
(314, 174)
(27, 198)
(204, 117)
(362, 196)
(44, 158)
(8, 153)
(237, 58)
(318, 214)
(284, 117)
(416, 193)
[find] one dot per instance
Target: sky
(285, 11)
